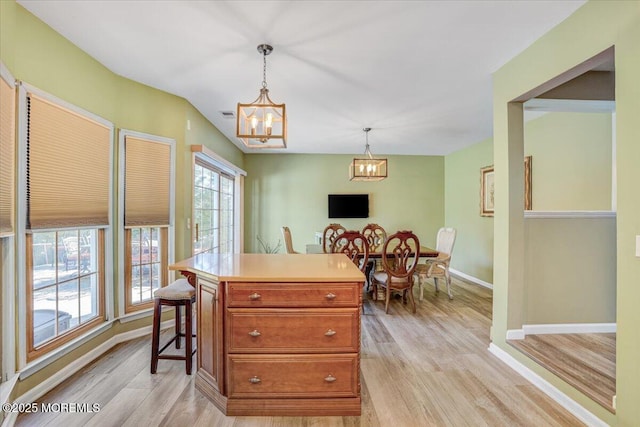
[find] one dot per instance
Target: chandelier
(368, 168)
(262, 124)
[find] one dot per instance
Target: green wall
(571, 170)
(473, 251)
(571, 161)
(36, 54)
(570, 270)
(292, 189)
(590, 30)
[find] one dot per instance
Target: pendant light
(368, 168)
(262, 123)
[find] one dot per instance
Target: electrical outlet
(188, 223)
(638, 246)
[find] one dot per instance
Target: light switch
(638, 246)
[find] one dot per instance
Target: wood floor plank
(160, 399)
(431, 368)
(586, 361)
(187, 409)
(369, 416)
(118, 409)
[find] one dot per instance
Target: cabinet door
(210, 334)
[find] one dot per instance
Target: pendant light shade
(367, 168)
(262, 123)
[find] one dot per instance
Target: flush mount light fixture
(368, 168)
(262, 123)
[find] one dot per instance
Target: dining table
(374, 263)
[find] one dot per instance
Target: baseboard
(7, 387)
(9, 419)
(515, 334)
(47, 385)
(471, 278)
(570, 328)
(547, 388)
(5, 392)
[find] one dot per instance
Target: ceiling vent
(228, 114)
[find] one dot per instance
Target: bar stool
(179, 293)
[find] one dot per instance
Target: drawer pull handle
(330, 333)
(254, 380)
(254, 296)
(330, 378)
(330, 295)
(255, 333)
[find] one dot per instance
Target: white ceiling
(417, 72)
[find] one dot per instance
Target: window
(146, 268)
(213, 210)
(67, 283)
(67, 176)
(146, 207)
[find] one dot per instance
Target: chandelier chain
(367, 150)
(264, 69)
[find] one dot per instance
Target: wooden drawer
(243, 294)
(293, 330)
(292, 376)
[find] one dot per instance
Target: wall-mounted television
(348, 205)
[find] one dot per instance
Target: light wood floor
(428, 369)
(586, 361)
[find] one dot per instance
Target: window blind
(147, 182)
(7, 155)
(68, 167)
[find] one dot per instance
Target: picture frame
(528, 203)
(487, 191)
(487, 188)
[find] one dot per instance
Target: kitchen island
(277, 334)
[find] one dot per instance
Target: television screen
(348, 205)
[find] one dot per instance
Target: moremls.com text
(51, 407)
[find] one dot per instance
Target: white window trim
(7, 280)
(216, 161)
(8, 284)
(122, 134)
(21, 229)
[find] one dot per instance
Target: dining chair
(288, 243)
(329, 235)
(354, 245)
(399, 263)
(438, 268)
(375, 236)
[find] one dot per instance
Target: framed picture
(487, 191)
(487, 188)
(527, 184)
